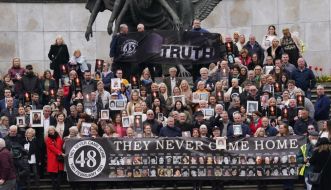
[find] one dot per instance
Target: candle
(285, 113)
(134, 79)
(27, 96)
(154, 94)
(277, 87)
(52, 93)
(224, 71)
(87, 98)
(77, 82)
(219, 94)
(63, 68)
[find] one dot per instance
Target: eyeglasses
(311, 129)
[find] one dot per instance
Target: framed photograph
(267, 69)
(208, 113)
(85, 129)
(115, 83)
(118, 104)
(237, 130)
(204, 96)
(195, 97)
(186, 134)
(252, 106)
(126, 122)
(36, 118)
(220, 143)
(160, 117)
(138, 123)
(20, 121)
(179, 98)
(104, 115)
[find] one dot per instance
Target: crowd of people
(266, 90)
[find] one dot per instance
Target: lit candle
(27, 96)
(87, 98)
(224, 71)
(154, 94)
(63, 69)
(52, 93)
(285, 113)
(134, 79)
(277, 87)
(77, 82)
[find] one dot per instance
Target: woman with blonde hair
(78, 63)
(135, 99)
(186, 91)
(163, 90)
(59, 56)
(260, 132)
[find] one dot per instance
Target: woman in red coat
(256, 121)
(54, 146)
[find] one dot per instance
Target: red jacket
(54, 148)
(7, 168)
(254, 127)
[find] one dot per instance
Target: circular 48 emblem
(129, 47)
(87, 159)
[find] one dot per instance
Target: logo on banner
(87, 159)
(129, 47)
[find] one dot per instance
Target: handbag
(314, 178)
(52, 64)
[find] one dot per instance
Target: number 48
(90, 160)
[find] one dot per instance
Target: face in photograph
(217, 172)
(185, 160)
(128, 161)
(153, 173)
(193, 160)
(259, 172)
(201, 172)
(104, 114)
(250, 172)
(169, 159)
(193, 173)
(242, 160)
(292, 171)
(144, 173)
(161, 172)
(112, 104)
(234, 160)
(250, 160)
(36, 118)
(284, 172)
(226, 160)
(209, 160)
(275, 172)
(267, 160)
(283, 159)
(275, 160)
(292, 159)
(201, 160)
(259, 160)
(242, 172)
(185, 173)
(234, 172)
(267, 172)
(161, 160)
(153, 160)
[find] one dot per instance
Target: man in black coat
(88, 85)
(30, 82)
(10, 111)
(71, 120)
(7, 94)
(155, 124)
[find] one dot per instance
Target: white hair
(13, 127)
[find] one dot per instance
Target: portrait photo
(126, 122)
(115, 83)
(252, 106)
(237, 130)
(85, 129)
(104, 114)
(20, 121)
(179, 98)
(220, 143)
(36, 118)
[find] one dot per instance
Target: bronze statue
(154, 14)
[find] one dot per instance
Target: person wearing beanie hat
(216, 132)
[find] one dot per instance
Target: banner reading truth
(164, 47)
(124, 159)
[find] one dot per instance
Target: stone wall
(28, 29)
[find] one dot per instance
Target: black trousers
(56, 180)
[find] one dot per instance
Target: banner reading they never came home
(124, 159)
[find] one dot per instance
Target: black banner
(124, 159)
(163, 47)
